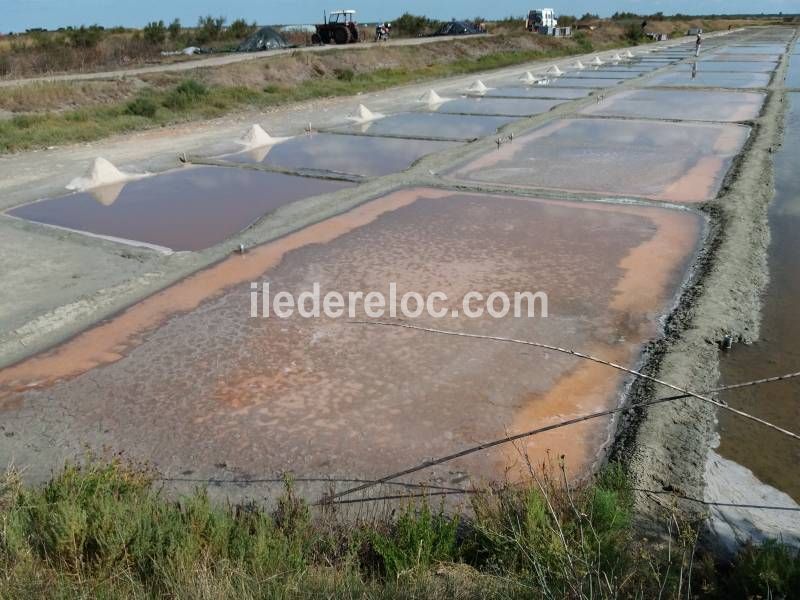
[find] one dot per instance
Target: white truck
(542, 20)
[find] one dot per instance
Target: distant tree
(240, 29)
(412, 25)
(85, 37)
(155, 33)
(634, 33)
(589, 17)
(175, 29)
(566, 20)
(209, 28)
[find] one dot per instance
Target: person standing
(697, 43)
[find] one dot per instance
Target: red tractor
(340, 27)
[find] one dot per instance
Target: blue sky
(16, 15)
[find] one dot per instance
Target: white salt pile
(431, 98)
(256, 137)
(578, 65)
(554, 70)
(478, 87)
(364, 115)
(101, 172)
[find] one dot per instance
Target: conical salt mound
(628, 54)
(364, 115)
(101, 172)
(431, 97)
(596, 61)
(528, 78)
(478, 87)
(255, 137)
(616, 58)
(579, 65)
(554, 70)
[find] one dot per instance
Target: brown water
(423, 125)
(357, 155)
(682, 162)
(191, 384)
(188, 209)
(696, 105)
(772, 457)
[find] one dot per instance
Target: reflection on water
(697, 105)
(536, 91)
(497, 106)
(703, 78)
(773, 458)
(320, 396)
(188, 209)
(433, 125)
(709, 65)
(357, 155)
(684, 162)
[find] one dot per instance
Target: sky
(18, 15)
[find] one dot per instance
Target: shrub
(185, 95)
(174, 29)
(344, 74)
(412, 25)
(209, 28)
(240, 29)
(419, 539)
(142, 107)
(155, 32)
(85, 37)
(583, 41)
(634, 33)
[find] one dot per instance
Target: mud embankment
(666, 448)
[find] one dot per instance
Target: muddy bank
(667, 448)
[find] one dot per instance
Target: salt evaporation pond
(682, 162)
(695, 105)
(358, 155)
(188, 380)
(187, 209)
(425, 125)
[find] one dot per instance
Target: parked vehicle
(542, 20)
(340, 27)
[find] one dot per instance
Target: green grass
(191, 100)
(102, 531)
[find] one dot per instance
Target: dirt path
(215, 61)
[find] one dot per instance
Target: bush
(583, 41)
(634, 33)
(419, 539)
(142, 107)
(155, 32)
(209, 28)
(412, 25)
(240, 29)
(344, 74)
(174, 29)
(185, 94)
(85, 37)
